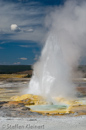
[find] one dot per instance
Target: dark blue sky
(23, 45)
(43, 2)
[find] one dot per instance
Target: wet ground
(16, 116)
(9, 88)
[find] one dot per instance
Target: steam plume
(62, 51)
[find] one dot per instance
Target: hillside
(10, 69)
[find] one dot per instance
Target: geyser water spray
(65, 45)
(51, 76)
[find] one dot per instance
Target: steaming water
(51, 76)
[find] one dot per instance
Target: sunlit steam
(52, 76)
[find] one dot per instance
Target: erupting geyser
(66, 42)
(51, 76)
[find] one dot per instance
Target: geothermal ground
(15, 115)
(44, 123)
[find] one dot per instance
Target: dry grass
(7, 76)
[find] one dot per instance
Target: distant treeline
(9, 69)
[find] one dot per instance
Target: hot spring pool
(49, 108)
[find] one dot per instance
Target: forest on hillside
(10, 69)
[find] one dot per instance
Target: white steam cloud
(69, 25)
(62, 52)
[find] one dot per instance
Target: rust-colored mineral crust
(31, 101)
